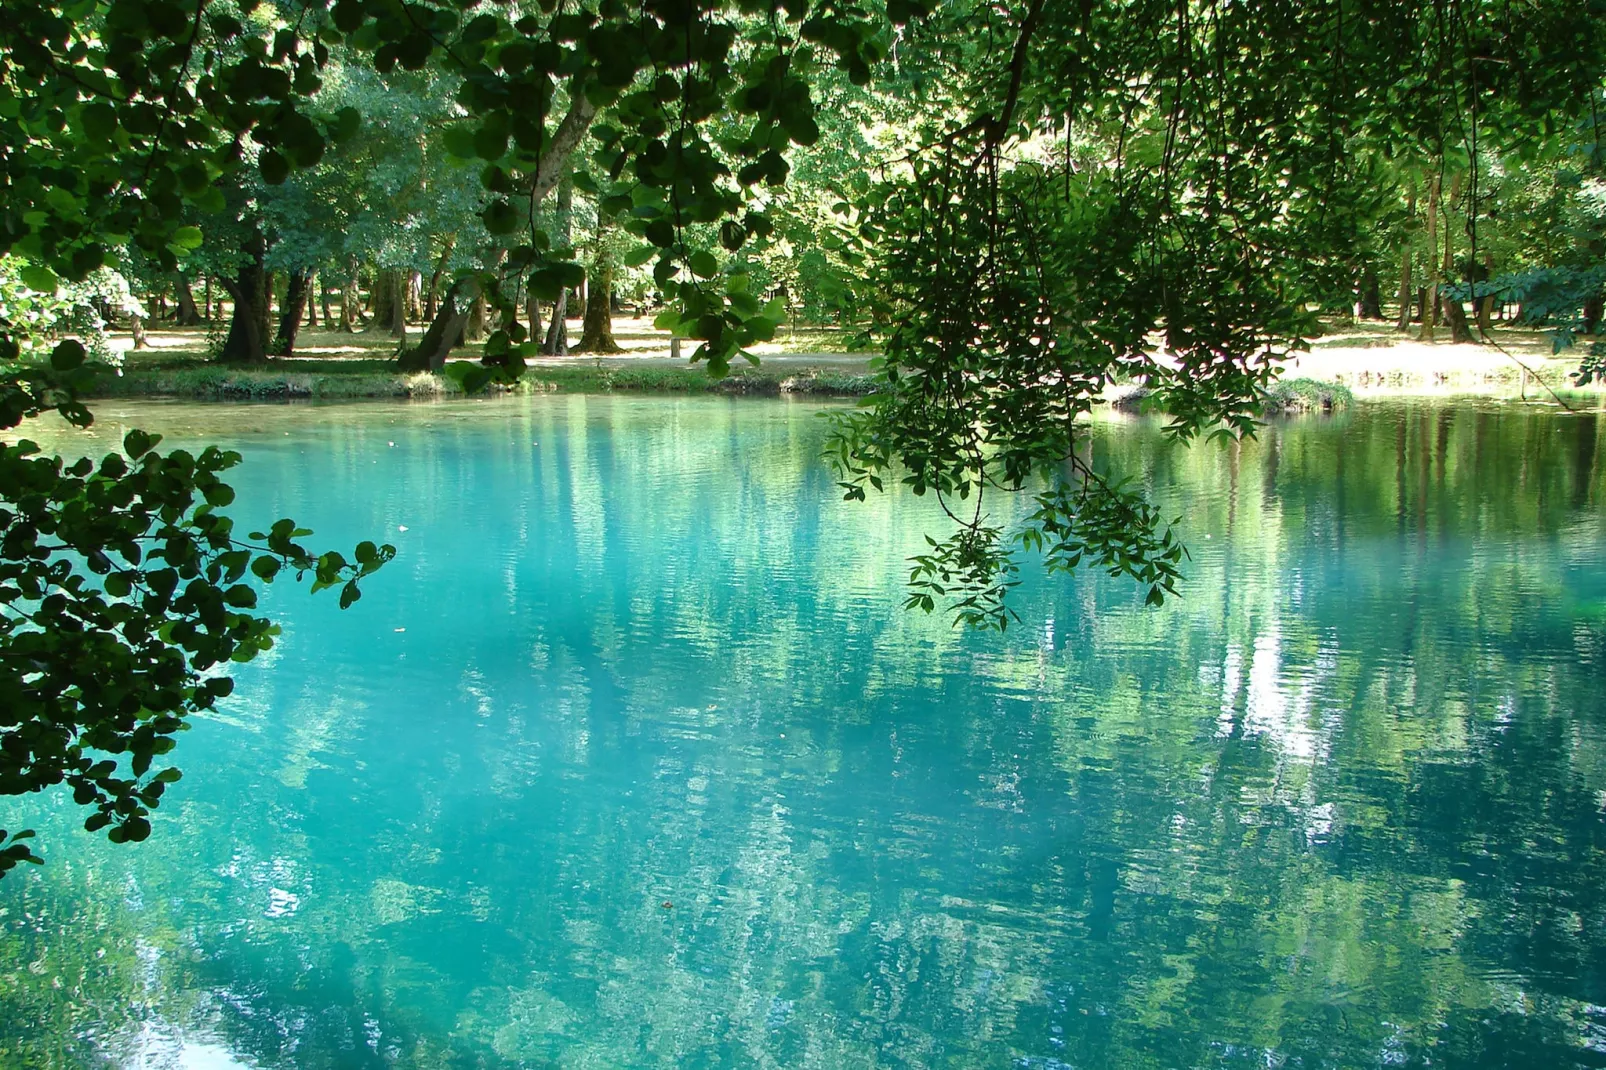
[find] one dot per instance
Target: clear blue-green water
(632, 759)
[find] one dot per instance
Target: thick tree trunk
(186, 314)
(596, 335)
(1371, 303)
(383, 295)
(474, 326)
(557, 332)
(312, 300)
(247, 338)
(1430, 305)
(1594, 311)
(138, 328)
(1486, 304)
(208, 298)
(433, 295)
(431, 352)
(323, 299)
(290, 315)
(390, 302)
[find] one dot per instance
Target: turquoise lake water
(632, 758)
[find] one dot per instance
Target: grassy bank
(1348, 361)
(354, 379)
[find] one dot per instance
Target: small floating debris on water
(401, 527)
(400, 629)
(667, 905)
(713, 705)
(392, 444)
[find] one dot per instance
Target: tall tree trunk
(1371, 294)
(1453, 311)
(557, 334)
(382, 295)
(186, 314)
(390, 301)
(1404, 322)
(1431, 305)
(532, 312)
(596, 335)
(137, 326)
(209, 299)
(414, 304)
(350, 295)
(313, 285)
(290, 315)
(398, 304)
(247, 338)
(474, 326)
(1594, 311)
(433, 294)
(1486, 305)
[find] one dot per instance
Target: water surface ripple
(632, 759)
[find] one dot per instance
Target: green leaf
(500, 217)
(68, 354)
(40, 278)
(274, 167)
(640, 255)
(137, 443)
(188, 238)
(703, 264)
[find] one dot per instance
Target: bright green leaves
(186, 239)
(39, 277)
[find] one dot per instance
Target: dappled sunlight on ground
(1367, 357)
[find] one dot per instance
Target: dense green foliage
(1022, 203)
